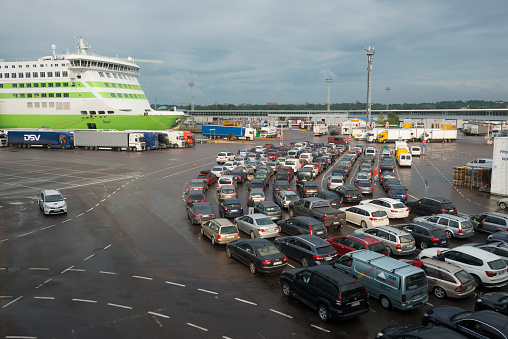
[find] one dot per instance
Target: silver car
(227, 192)
(284, 198)
(256, 195)
(257, 225)
(453, 225)
(220, 231)
(397, 242)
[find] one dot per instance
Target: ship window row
(21, 75)
(105, 65)
(39, 84)
(116, 76)
(40, 95)
(126, 86)
(34, 65)
(59, 106)
(127, 95)
(95, 112)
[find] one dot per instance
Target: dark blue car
(398, 192)
(307, 249)
(230, 208)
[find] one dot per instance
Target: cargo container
(393, 134)
(438, 135)
(319, 129)
(34, 138)
(115, 140)
(216, 131)
(268, 132)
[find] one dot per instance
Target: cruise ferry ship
(78, 90)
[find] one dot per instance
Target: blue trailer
(151, 140)
(48, 139)
(216, 131)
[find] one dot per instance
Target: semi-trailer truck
(34, 138)
(116, 140)
(216, 131)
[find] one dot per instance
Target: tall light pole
(155, 105)
(191, 84)
(370, 53)
(387, 90)
(329, 81)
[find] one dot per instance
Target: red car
(208, 176)
(268, 146)
(348, 243)
(287, 169)
(318, 166)
(272, 156)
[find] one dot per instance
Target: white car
(259, 149)
(219, 171)
(335, 181)
(366, 216)
(230, 165)
(52, 202)
(243, 152)
(393, 207)
(222, 157)
(257, 225)
(314, 169)
(487, 269)
(416, 151)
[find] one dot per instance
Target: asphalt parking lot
(126, 262)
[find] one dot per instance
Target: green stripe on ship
(66, 121)
(113, 85)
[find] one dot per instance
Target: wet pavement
(126, 262)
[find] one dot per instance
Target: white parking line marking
(157, 321)
(43, 283)
(429, 304)
(3, 240)
(6, 297)
(45, 228)
(198, 327)
(159, 315)
(120, 306)
(12, 302)
(107, 247)
(45, 298)
(39, 268)
(86, 301)
(283, 314)
(320, 328)
(176, 284)
(96, 205)
(19, 337)
(245, 301)
(92, 255)
(139, 277)
(291, 266)
(67, 269)
(89, 210)
(77, 216)
(77, 270)
(22, 235)
(63, 222)
(106, 272)
(206, 291)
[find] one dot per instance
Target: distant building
(271, 104)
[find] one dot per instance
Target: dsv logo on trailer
(31, 137)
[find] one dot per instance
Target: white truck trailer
(176, 138)
(440, 135)
(268, 132)
(115, 140)
(319, 129)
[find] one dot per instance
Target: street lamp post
(329, 81)
(387, 90)
(191, 84)
(155, 105)
(370, 53)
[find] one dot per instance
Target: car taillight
(213, 214)
(442, 210)
(434, 239)
(403, 298)
(317, 257)
(285, 259)
(196, 216)
(189, 200)
(218, 236)
(261, 230)
(490, 274)
(203, 200)
(238, 234)
(266, 262)
(394, 211)
(265, 199)
(338, 301)
(458, 289)
(460, 230)
(225, 208)
(347, 196)
(399, 247)
(324, 218)
(373, 219)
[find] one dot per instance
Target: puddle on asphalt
(13, 269)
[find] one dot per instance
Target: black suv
(332, 197)
(426, 235)
(348, 193)
(431, 206)
(302, 225)
(307, 189)
(327, 290)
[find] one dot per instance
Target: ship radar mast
(83, 46)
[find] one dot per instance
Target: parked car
(239, 174)
(307, 249)
(257, 183)
(498, 248)
(454, 226)
(52, 202)
(256, 194)
(302, 225)
(220, 171)
(498, 236)
(268, 208)
(334, 181)
(284, 198)
(393, 208)
(426, 235)
(307, 189)
(366, 216)
(490, 222)
(281, 185)
(222, 157)
(227, 192)
(257, 225)
(327, 290)
(200, 212)
(230, 208)
(195, 196)
(348, 193)
(208, 176)
(220, 231)
(398, 192)
(447, 280)
(260, 255)
(480, 324)
(347, 243)
(332, 197)
(405, 331)
(487, 269)
(430, 206)
(197, 185)
(397, 242)
(494, 301)
(502, 203)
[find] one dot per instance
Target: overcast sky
(281, 50)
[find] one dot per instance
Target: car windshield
(234, 206)
(262, 175)
(203, 209)
(398, 190)
(497, 264)
(406, 238)
(447, 206)
(292, 197)
(399, 205)
(257, 195)
(466, 224)
(311, 187)
(268, 250)
(379, 214)
(463, 277)
(228, 230)
(325, 250)
(196, 184)
(416, 281)
(363, 184)
(272, 209)
(319, 226)
(380, 247)
(217, 169)
(264, 221)
(228, 190)
(53, 198)
(438, 233)
(196, 196)
(461, 315)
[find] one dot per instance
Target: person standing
(250, 205)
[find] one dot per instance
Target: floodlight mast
(191, 84)
(387, 90)
(370, 53)
(329, 81)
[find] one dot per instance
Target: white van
(293, 163)
(370, 150)
(405, 159)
